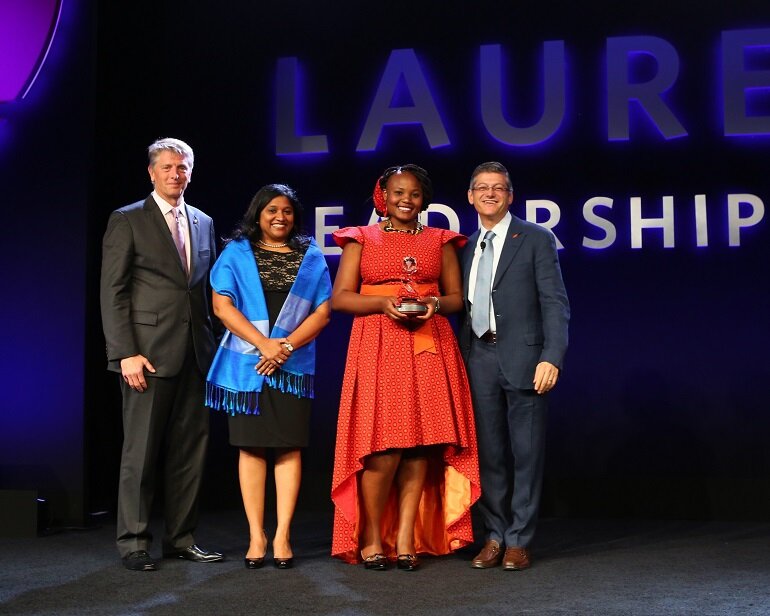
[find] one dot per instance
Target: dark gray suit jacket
(148, 305)
(529, 300)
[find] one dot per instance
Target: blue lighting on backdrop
(640, 73)
(554, 93)
(43, 252)
(623, 55)
(289, 94)
(741, 85)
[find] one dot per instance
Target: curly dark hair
(418, 172)
(249, 226)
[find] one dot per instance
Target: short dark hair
(249, 226)
(491, 167)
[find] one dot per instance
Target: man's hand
(546, 375)
(133, 368)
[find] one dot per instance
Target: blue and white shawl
(233, 385)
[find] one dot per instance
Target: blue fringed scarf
(233, 385)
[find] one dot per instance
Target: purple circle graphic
(27, 28)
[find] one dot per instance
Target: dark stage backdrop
(46, 141)
(637, 132)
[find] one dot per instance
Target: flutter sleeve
(348, 234)
(458, 240)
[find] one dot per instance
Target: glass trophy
(409, 304)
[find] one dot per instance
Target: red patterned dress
(396, 395)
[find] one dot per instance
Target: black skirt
(284, 421)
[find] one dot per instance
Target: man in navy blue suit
(513, 338)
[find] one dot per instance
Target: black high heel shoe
(283, 563)
(254, 563)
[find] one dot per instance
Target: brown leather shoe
(516, 559)
(490, 556)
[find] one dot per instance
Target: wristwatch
(288, 346)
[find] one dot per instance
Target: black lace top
(277, 270)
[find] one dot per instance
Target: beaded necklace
(389, 228)
(273, 245)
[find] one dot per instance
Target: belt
(489, 337)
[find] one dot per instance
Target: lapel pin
(515, 235)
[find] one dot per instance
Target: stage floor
(618, 567)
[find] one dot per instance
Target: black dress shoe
(408, 562)
(139, 561)
(283, 563)
(254, 563)
(195, 554)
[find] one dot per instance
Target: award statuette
(409, 304)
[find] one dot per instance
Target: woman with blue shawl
(271, 291)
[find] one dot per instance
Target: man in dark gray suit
(513, 338)
(156, 258)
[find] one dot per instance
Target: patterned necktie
(178, 233)
(480, 316)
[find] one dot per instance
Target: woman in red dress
(406, 464)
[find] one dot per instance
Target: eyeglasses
(497, 189)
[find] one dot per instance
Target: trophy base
(412, 307)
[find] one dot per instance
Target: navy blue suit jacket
(530, 303)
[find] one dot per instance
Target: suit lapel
(513, 241)
(470, 248)
(195, 241)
